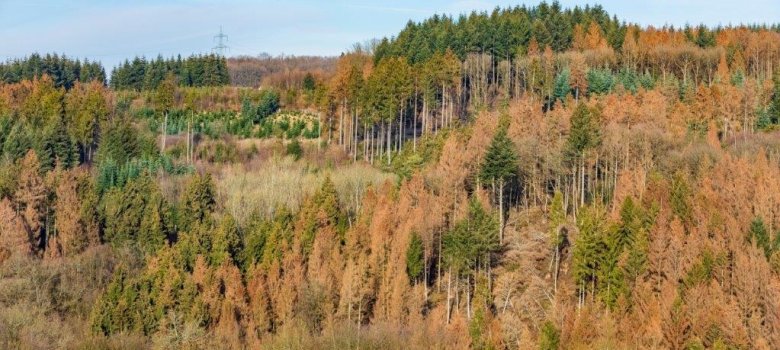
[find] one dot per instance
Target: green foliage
(308, 82)
(275, 234)
(415, 258)
(269, 104)
(164, 94)
(294, 149)
(510, 32)
(500, 163)
(549, 337)
(630, 80)
(585, 133)
(17, 143)
(111, 174)
(57, 147)
(217, 124)
(428, 150)
(764, 120)
(225, 242)
(600, 81)
(141, 74)
(136, 213)
(480, 322)
(589, 248)
(703, 270)
(258, 235)
(562, 87)
(198, 202)
(266, 106)
(387, 89)
(738, 78)
(141, 303)
(119, 142)
(680, 197)
(608, 259)
(64, 71)
(759, 235)
(774, 105)
(153, 231)
(472, 241)
(322, 211)
(103, 319)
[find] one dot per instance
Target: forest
(531, 177)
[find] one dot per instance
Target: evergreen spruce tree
(225, 242)
(415, 262)
(589, 250)
(153, 231)
(759, 235)
(198, 202)
(562, 88)
(499, 167)
(774, 108)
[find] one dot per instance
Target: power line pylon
(220, 38)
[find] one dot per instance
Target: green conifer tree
(500, 166)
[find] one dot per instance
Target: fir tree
(198, 202)
(499, 166)
(415, 262)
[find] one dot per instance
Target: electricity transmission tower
(220, 38)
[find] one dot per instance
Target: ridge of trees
(196, 70)
(62, 70)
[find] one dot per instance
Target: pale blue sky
(111, 30)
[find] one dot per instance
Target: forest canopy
(529, 177)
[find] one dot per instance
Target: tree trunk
(341, 124)
(164, 132)
(582, 181)
(400, 131)
(355, 136)
(188, 140)
(468, 296)
(438, 266)
(414, 122)
(449, 295)
(365, 142)
(389, 138)
(501, 211)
